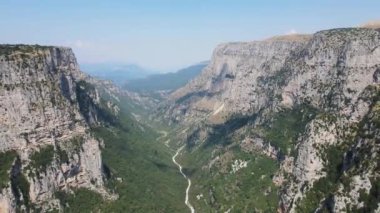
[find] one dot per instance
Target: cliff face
(45, 112)
(336, 74)
(313, 99)
(230, 84)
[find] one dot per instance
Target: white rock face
(38, 109)
(232, 79)
(7, 201)
(309, 164)
(334, 71)
(238, 164)
(258, 144)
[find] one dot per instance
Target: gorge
(287, 124)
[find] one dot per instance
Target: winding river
(188, 180)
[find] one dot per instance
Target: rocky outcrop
(330, 78)
(43, 98)
(332, 74)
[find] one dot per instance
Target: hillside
(166, 81)
(117, 73)
(72, 143)
(284, 124)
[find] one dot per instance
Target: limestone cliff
(46, 109)
(319, 92)
(231, 82)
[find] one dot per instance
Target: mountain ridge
(116, 72)
(302, 103)
(165, 81)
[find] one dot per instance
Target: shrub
(283, 131)
(40, 160)
(6, 161)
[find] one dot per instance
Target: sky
(165, 35)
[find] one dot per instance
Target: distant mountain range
(166, 81)
(118, 73)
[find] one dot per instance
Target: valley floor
(140, 171)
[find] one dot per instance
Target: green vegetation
(324, 188)
(221, 133)
(18, 182)
(62, 155)
(7, 50)
(138, 168)
(6, 160)
(371, 200)
(88, 108)
(249, 189)
(357, 161)
(93, 201)
(283, 130)
(83, 91)
(42, 159)
(20, 187)
(76, 144)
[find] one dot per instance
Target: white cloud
(291, 32)
(78, 44)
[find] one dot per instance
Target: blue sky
(168, 34)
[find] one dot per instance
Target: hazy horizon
(166, 35)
